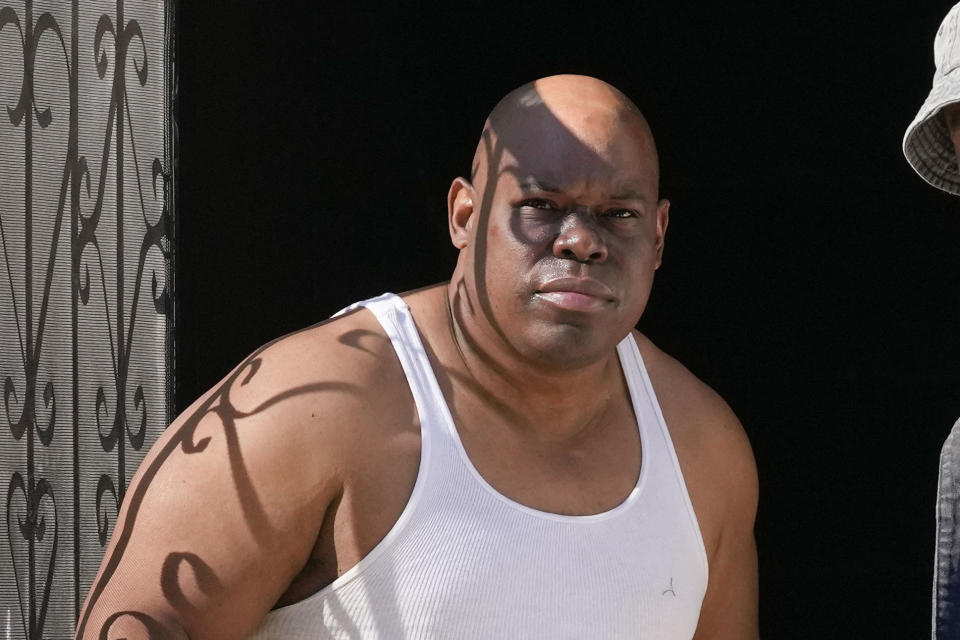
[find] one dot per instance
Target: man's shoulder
(710, 441)
(314, 388)
(320, 371)
(691, 398)
(351, 346)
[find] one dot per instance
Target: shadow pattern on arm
(221, 404)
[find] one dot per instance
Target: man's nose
(580, 239)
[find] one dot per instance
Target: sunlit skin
(290, 471)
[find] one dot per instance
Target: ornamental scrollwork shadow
(33, 510)
(26, 519)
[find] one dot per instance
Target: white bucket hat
(927, 143)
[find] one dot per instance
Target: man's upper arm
(730, 605)
(225, 508)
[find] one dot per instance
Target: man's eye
(538, 203)
(621, 213)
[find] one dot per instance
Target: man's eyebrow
(628, 193)
(533, 184)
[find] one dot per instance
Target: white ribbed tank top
(464, 561)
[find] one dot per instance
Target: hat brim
(927, 144)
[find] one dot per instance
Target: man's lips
(576, 294)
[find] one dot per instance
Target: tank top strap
(645, 406)
(655, 437)
(395, 317)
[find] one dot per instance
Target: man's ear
(460, 210)
(663, 219)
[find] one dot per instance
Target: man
(932, 147)
(500, 456)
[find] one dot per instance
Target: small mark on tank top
(670, 589)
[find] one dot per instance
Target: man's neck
(554, 403)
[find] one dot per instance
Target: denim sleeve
(946, 579)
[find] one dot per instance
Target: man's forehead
(597, 133)
(544, 133)
(563, 161)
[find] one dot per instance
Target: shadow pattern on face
(520, 135)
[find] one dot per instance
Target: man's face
(568, 235)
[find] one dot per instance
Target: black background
(810, 276)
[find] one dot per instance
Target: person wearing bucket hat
(932, 140)
(932, 146)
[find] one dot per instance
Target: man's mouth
(576, 294)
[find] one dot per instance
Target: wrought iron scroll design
(34, 509)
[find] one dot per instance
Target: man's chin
(570, 344)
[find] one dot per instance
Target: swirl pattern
(85, 228)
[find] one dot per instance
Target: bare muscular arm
(225, 509)
(730, 605)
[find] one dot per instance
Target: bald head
(581, 117)
(568, 97)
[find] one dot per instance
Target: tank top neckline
(625, 349)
